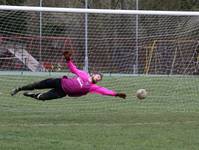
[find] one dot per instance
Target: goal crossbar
(99, 11)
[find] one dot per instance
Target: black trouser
(53, 84)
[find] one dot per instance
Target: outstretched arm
(104, 91)
(72, 67)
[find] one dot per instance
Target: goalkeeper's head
(96, 77)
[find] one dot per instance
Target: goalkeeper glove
(121, 95)
(67, 55)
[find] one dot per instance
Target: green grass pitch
(168, 119)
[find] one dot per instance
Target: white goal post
(160, 48)
(99, 11)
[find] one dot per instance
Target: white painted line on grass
(101, 124)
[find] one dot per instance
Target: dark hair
(99, 73)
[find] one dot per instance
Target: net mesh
(163, 50)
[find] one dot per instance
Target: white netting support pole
(86, 38)
(100, 11)
(40, 32)
(136, 34)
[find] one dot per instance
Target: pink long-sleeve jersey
(80, 84)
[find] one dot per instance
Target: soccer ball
(141, 94)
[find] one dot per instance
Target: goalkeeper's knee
(37, 96)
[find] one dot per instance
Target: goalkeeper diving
(82, 84)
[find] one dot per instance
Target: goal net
(158, 51)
